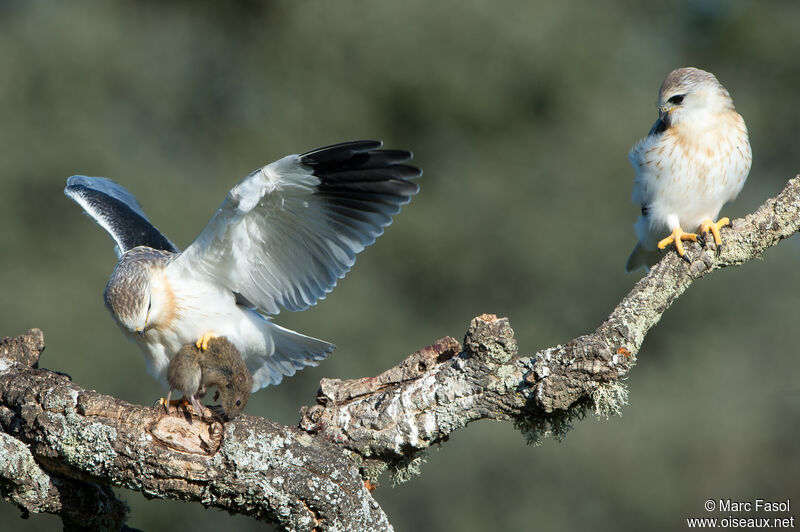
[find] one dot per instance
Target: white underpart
(682, 184)
(202, 307)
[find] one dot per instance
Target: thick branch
(308, 479)
(390, 417)
(81, 505)
(253, 466)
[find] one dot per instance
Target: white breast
(199, 308)
(687, 174)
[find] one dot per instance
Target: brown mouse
(193, 370)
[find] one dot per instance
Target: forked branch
(56, 434)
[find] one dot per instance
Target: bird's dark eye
(677, 99)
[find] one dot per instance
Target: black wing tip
(360, 170)
(409, 171)
(413, 190)
(397, 156)
(360, 155)
(339, 152)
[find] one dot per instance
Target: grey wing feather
(290, 230)
(117, 211)
(292, 352)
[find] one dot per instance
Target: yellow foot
(709, 226)
(202, 342)
(677, 237)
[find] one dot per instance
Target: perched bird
(694, 160)
(193, 370)
(281, 239)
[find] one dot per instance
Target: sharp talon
(677, 237)
(686, 258)
(708, 226)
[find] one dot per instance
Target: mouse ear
(239, 378)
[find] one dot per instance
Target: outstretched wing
(287, 232)
(117, 211)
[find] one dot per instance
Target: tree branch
(56, 432)
(82, 505)
(388, 418)
(253, 466)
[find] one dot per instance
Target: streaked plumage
(694, 160)
(281, 239)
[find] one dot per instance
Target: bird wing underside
(290, 230)
(117, 211)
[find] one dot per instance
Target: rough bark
(389, 418)
(253, 466)
(312, 477)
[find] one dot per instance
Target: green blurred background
(521, 114)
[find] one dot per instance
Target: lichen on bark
(61, 446)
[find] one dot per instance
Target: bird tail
(292, 352)
(642, 257)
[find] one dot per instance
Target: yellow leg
(677, 237)
(202, 342)
(708, 226)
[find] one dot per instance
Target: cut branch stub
(24, 349)
(491, 338)
(422, 400)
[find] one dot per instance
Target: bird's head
(136, 295)
(691, 94)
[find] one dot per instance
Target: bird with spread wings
(281, 239)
